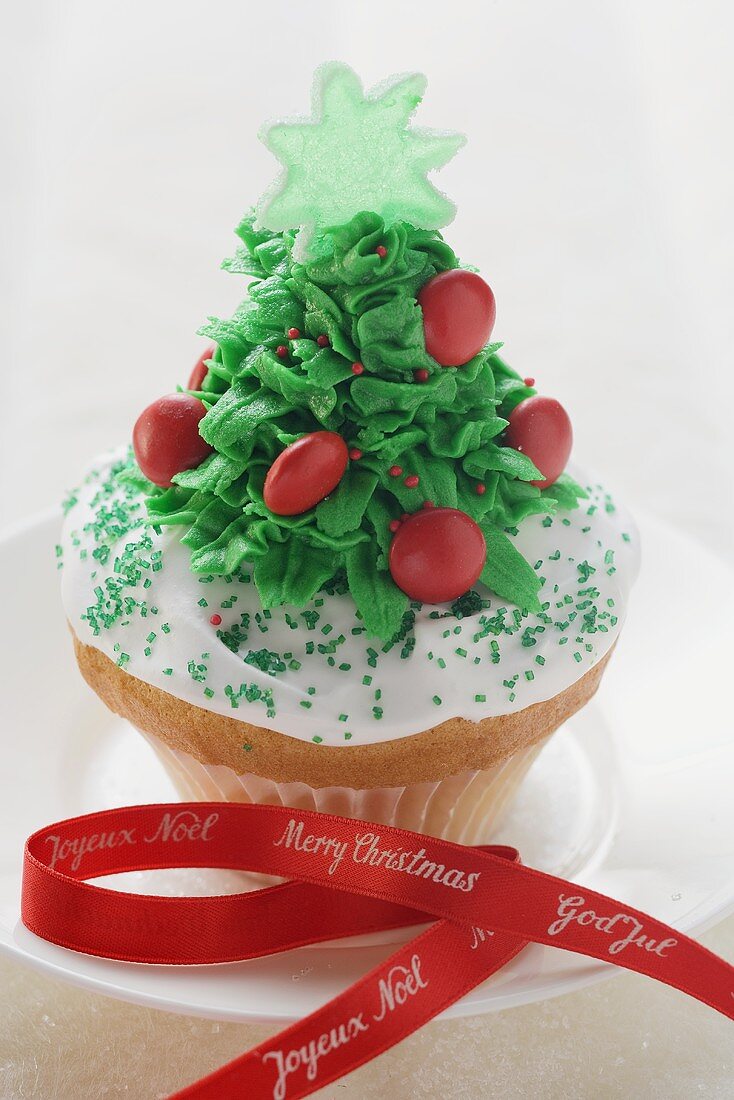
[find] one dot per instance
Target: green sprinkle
(266, 660)
(437, 700)
(310, 618)
(480, 698)
(197, 672)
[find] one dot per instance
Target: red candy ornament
(166, 438)
(305, 473)
(459, 311)
(199, 373)
(541, 429)
(437, 555)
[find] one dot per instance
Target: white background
(596, 196)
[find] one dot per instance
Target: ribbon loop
(345, 878)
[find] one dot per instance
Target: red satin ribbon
(346, 877)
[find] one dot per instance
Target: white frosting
(589, 559)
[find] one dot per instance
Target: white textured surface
(626, 1038)
(595, 192)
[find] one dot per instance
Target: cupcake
(346, 567)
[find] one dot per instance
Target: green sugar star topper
(356, 153)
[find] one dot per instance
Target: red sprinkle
(357, 368)
(293, 333)
(480, 489)
(216, 620)
(529, 381)
(394, 525)
(381, 251)
(395, 471)
(323, 340)
(355, 454)
(421, 375)
(411, 481)
(428, 504)
(281, 351)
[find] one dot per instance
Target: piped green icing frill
(446, 430)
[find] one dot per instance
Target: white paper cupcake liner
(464, 808)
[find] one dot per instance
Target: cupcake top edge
(314, 672)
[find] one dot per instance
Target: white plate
(633, 797)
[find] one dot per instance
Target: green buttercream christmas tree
(332, 338)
